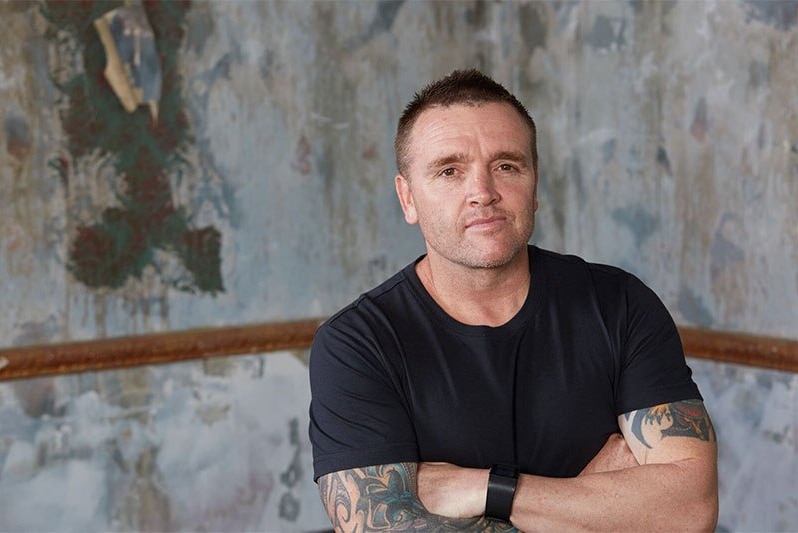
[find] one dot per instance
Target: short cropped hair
(461, 87)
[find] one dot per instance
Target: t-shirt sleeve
(357, 416)
(653, 367)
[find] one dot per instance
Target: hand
(454, 491)
(615, 455)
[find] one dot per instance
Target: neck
(477, 296)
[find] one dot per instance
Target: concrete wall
(669, 146)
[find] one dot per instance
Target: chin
(491, 260)
(494, 253)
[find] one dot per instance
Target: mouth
(485, 223)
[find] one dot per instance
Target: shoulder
(617, 294)
(569, 268)
(367, 325)
(372, 305)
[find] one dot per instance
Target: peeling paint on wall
(607, 33)
(782, 15)
(144, 153)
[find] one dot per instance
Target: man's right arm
(384, 498)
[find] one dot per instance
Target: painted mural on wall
(145, 148)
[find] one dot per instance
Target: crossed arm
(673, 487)
(384, 498)
(661, 476)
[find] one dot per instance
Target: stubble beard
(458, 253)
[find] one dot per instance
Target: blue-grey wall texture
(668, 139)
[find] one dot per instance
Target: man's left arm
(673, 488)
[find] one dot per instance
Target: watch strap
(502, 482)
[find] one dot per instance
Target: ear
(406, 199)
(535, 192)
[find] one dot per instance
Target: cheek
(433, 220)
(521, 198)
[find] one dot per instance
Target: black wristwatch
(501, 490)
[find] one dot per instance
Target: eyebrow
(448, 159)
(516, 157)
(460, 157)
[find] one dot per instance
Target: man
(487, 357)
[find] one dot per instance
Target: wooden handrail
(741, 348)
(159, 348)
(155, 348)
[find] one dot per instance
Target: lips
(486, 222)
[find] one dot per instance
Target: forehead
(495, 126)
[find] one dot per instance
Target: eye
(448, 172)
(507, 167)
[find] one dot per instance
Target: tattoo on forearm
(687, 418)
(383, 498)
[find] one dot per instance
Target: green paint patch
(143, 152)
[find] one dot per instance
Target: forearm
(383, 498)
(679, 496)
(675, 489)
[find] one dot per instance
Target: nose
(482, 189)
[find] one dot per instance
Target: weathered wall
(668, 136)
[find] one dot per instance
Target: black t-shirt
(394, 378)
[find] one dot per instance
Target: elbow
(709, 513)
(701, 500)
(698, 514)
(702, 514)
(697, 508)
(711, 502)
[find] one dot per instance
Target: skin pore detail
(382, 498)
(687, 418)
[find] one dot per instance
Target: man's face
(471, 185)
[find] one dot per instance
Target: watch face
(505, 470)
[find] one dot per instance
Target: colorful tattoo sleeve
(383, 498)
(687, 418)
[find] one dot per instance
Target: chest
(543, 401)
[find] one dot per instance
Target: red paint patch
(302, 159)
(19, 142)
(18, 149)
(371, 152)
